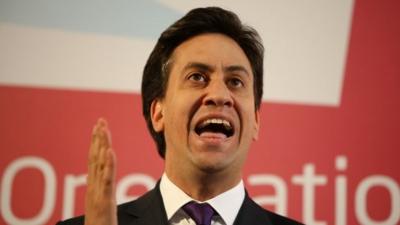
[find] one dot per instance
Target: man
(201, 92)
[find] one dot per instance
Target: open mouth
(215, 126)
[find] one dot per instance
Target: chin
(213, 165)
(211, 169)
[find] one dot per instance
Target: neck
(203, 185)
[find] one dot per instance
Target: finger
(104, 146)
(108, 177)
(100, 140)
(100, 164)
(96, 138)
(93, 152)
(94, 141)
(105, 136)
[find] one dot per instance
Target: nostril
(228, 103)
(210, 102)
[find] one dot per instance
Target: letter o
(361, 199)
(132, 180)
(49, 191)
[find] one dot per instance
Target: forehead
(212, 49)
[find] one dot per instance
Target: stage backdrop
(329, 147)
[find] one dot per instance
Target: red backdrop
(320, 165)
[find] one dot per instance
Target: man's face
(207, 115)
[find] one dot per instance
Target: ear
(256, 125)
(157, 115)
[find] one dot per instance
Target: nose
(218, 94)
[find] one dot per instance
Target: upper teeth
(217, 121)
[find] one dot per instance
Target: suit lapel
(146, 210)
(251, 213)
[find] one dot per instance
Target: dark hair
(197, 21)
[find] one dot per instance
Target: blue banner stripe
(143, 18)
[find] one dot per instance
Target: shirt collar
(174, 198)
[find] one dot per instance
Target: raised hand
(100, 203)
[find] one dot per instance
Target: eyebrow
(237, 68)
(199, 66)
(208, 68)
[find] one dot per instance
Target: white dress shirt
(226, 204)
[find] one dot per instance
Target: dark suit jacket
(149, 210)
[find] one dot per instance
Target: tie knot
(201, 213)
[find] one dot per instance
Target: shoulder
(73, 221)
(278, 219)
(252, 213)
(125, 211)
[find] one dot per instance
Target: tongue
(208, 134)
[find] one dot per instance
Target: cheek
(250, 123)
(177, 117)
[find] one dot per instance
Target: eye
(198, 77)
(235, 82)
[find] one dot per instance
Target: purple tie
(201, 213)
